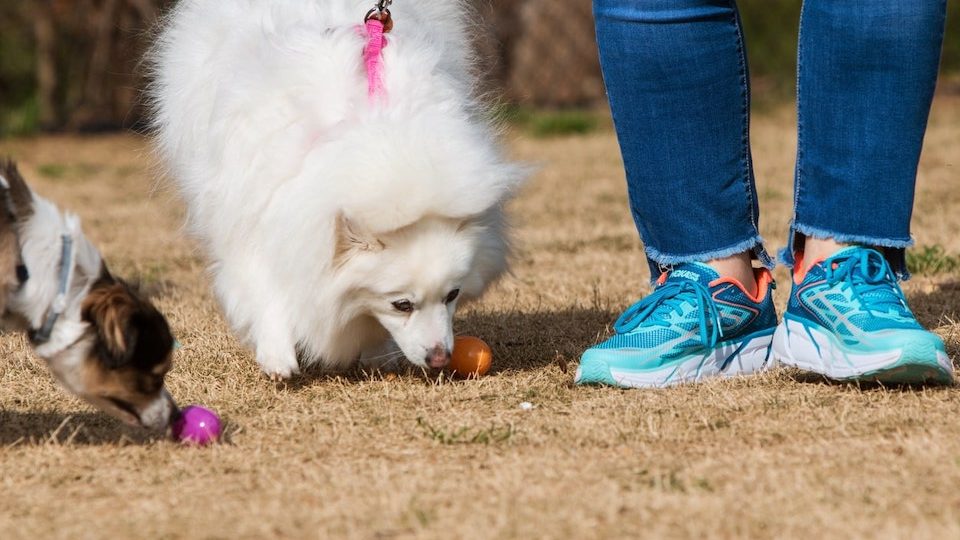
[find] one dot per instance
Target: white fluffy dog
(336, 225)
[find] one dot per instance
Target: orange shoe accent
(764, 279)
(663, 278)
(800, 270)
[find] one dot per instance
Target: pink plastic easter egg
(197, 426)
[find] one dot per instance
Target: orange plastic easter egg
(471, 357)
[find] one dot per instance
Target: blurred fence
(72, 64)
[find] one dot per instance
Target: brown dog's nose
(438, 357)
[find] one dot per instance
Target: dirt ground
(777, 455)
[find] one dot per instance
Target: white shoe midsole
(800, 346)
(751, 358)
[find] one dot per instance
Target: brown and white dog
(100, 337)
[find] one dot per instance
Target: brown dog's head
(114, 351)
(120, 362)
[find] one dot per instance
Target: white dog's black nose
(438, 357)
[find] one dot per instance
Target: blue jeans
(678, 84)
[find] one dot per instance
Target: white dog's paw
(278, 377)
(278, 369)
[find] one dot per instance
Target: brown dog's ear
(19, 198)
(12, 189)
(130, 330)
(350, 238)
(109, 307)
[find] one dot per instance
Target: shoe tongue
(841, 254)
(845, 252)
(883, 295)
(698, 272)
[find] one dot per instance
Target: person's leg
(677, 82)
(866, 75)
(867, 72)
(676, 76)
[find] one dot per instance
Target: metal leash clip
(381, 12)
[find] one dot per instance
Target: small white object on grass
(526, 406)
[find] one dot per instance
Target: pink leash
(373, 60)
(376, 25)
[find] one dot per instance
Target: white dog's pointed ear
(351, 238)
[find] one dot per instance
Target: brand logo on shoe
(686, 274)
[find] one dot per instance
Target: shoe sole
(730, 359)
(798, 345)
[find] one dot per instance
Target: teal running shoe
(847, 319)
(693, 326)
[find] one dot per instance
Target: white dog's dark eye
(452, 296)
(404, 306)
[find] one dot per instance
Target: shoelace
(670, 297)
(869, 276)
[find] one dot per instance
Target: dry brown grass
(775, 455)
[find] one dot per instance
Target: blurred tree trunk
(45, 36)
(87, 57)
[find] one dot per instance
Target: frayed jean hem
(659, 261)
(894, 250)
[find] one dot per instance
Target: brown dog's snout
(438, 357)
(160, 413)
